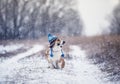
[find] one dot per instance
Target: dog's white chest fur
(56, 53)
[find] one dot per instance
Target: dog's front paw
(51, 66)
(48, 67)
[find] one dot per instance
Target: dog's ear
(58, 39)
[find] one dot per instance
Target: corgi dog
(54, 54)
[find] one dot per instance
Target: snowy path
(10, 48)
(35, 49)
(86, 73)
(8, 65)
(34, 70)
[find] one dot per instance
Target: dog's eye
(63, 42)
(58, 44)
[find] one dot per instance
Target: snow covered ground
(9, 48)
(22, 69)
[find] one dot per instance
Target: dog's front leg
(61, 63)
(50, 63)
(55, 64)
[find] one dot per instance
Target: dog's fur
(56, 61)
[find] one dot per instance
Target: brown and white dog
(57, 61)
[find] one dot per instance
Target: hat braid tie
(51, 54)
(62, 53)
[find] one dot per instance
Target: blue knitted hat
(51, 38)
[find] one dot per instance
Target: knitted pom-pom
(62, 55)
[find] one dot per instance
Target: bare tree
(3, 18)
(115, 21)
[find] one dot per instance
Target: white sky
(94, 14)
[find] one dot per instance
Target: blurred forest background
(21, 19)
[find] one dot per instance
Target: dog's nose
(61, 46)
